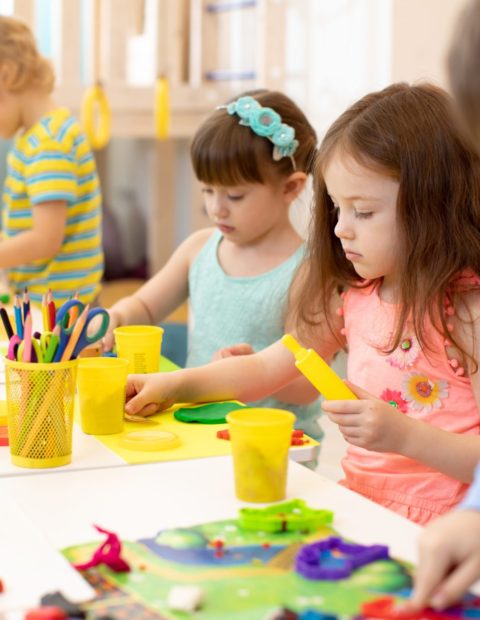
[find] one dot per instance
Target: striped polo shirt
(52, 161)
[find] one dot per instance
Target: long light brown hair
(225, 153)
(408, 133)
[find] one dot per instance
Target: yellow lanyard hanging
(162, 108)
(95, 112)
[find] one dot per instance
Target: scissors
(13, 344)
(84, 337)
(16, 347)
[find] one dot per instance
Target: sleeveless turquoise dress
(226, 310)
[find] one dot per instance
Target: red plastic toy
(46, 613)
(386, 608)
(108, 553)
(297, 439)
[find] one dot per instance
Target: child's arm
(42, 241)
(163, 293)
(246, 378)
(300, 391)
(373, 424)
(449, 554)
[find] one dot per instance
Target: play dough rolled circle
(150, 441)
(209, 413)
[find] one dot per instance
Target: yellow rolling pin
(318, 372)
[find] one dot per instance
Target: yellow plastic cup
(141, 345)
(101, 391)
(40, 407)
(260, 442)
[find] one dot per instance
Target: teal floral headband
(266, 123)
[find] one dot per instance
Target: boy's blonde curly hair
(19, 53)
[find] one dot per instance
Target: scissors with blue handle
(85, 338)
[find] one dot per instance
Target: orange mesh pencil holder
(40, 404)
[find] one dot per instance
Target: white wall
(421, 34)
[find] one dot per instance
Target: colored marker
(318, 372)
(6, 322)
(52, 345)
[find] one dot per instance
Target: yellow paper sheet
(196, 440)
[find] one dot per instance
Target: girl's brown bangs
(346, 145)
(228, 156)
(226, 169)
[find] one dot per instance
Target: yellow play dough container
(101, 393)
(140, 345)
(260, 443)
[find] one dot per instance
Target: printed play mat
(284, 562)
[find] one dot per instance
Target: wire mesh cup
(40, 406)
(260, 440)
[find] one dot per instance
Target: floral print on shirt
(422, 393)
(406, 354)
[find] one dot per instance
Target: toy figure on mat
(396, 231)
(51, 202)
(252, 158)
(449, 553)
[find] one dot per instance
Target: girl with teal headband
(252, 157)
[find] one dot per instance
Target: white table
(39, 514)
(90, 453)
(87, 453)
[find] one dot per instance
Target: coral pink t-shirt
(426, 387)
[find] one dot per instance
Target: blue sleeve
(471, 500)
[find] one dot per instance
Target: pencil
(27, 340)
(51, 311)
(26, 304)
(18, 317)
(45, 320)
(6, 322)
(75, 335)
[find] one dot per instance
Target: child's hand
(148, 394)
(449, 559)
(108, 339)
(236, 349)
(369, 422)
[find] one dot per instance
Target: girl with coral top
(392, 275)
